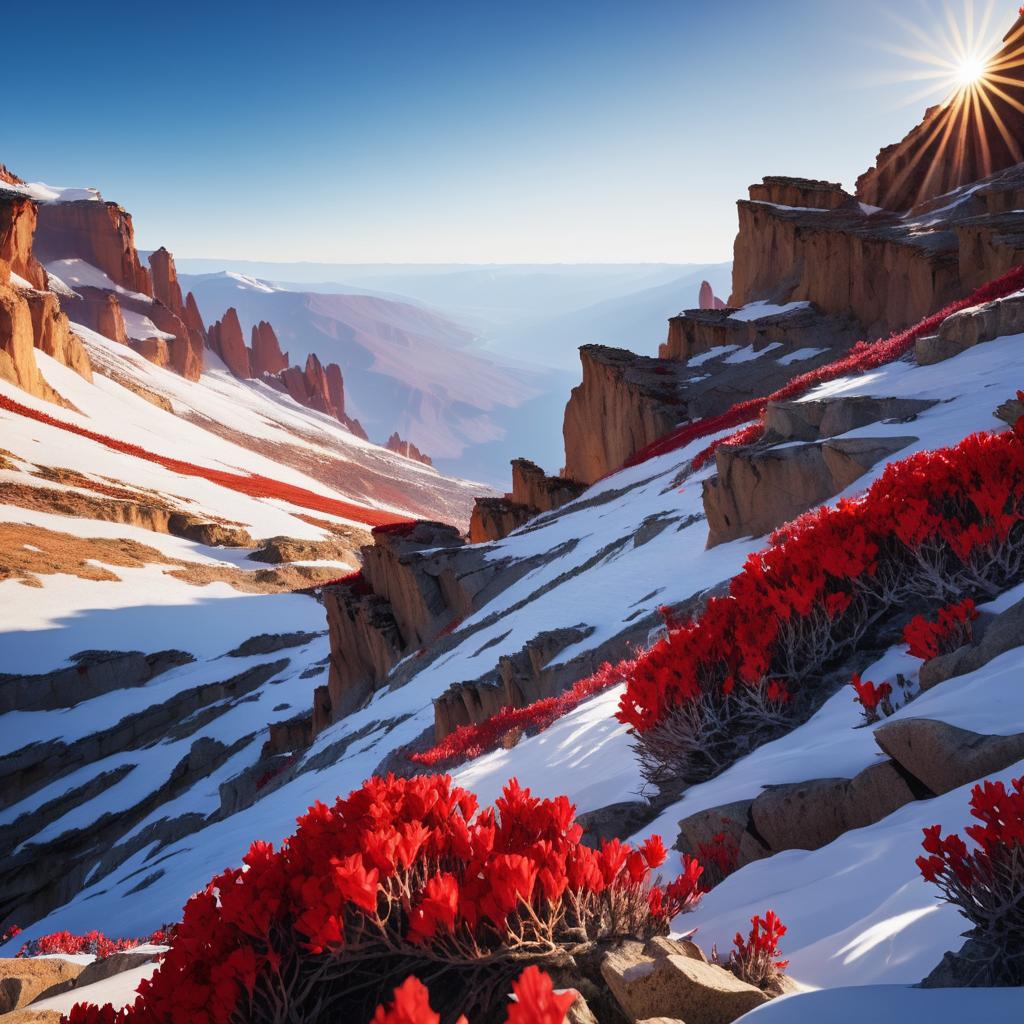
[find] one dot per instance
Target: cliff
(395, 444)
(973, 134)
(267, 357)
(225, 339)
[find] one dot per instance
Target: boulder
(809, 815)
(1003, 633)
(531, 486)
(945, 757)
(757, 489)
(793, 420)
(25, 979)
(971, 327)
(108, 966)
(676, 987)
(614, 821)
(733, 820)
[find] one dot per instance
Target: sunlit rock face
(975, 133)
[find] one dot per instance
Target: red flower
(536, 1000)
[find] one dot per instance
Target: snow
(85, 275)
(118, 990)
(19, 282)
(712, 353)
(139, 327)
(799, 355)
(251, 283)
(748, 354)
(44, 193)
(892, 1004)
(762, 308)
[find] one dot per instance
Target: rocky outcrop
(495, 518)
(395, 443)
(24, 980)
(814, 420)
(707, 299)
(99, 233)
(945, 757)
(267, 357)
(971, 327)
(757, 489)
(878, 268)
(957, 142)
(29, 317)
(624, 403)
(171, 315)
(802, 193)
(1004, 632)
(99, 310)
(225, 339)
(656, 982)
(533, 492)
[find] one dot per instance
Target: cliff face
(99, 233)
(395, 444)
(625, 402)
(30, 317)
(225, 338)
(171, 315)
(267, 356)
(962, 140)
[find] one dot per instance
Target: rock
(267, 357)
(615, 821)
(809, 815)
(100, 233)
(706, 298)
(624, 403)
(943, 756)
(336, 390)
(52, 333)
(811, 421)
(395, 444)
(495, 518)
(758, 489)
(343, 547)
(30, 1016)
(225, 338)
(677, 987)
(883, 271)
(165, 280)
(662, 946)
(156, 350)
(202, 531)
(1010, 411)
(971, 327)
(805, 193)
(18, 219)
(269, 643)
(24, 979)
(531, 486)
(107, 966)
(923, 165)
(734, 821)
(17, 346)
(1003, 633)
(100, 311)
(323, 709)
(975, 965)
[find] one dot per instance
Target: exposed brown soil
(28, 552)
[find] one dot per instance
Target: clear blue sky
(563, 130)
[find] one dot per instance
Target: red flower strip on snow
(403, 877)
(470, 741)
(536, 1003)
(862, 356)
(93, 942)
(986, 884)
(252, 484)
(952, 629)
(932, 527)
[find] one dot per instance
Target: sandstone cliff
(225, 339)
(267, 357)
(395, 444)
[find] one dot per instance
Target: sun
(970, 70)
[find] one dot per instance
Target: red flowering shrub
(986, 884)
(253, 484)
(11, 933)
(755, 959)
(952, 629)
(536, 1003)
(404, 877)
(470, 741)
(862, 356)
(93, 942)
(931, 528)
(721, 855)
(875, 700)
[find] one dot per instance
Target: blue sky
(525, 131)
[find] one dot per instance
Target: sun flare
(970, 70)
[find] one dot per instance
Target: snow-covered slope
(600, 570)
